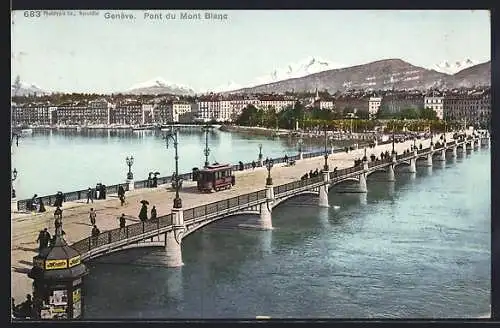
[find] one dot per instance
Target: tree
(409, 114)
(428, 114)
(363, 114)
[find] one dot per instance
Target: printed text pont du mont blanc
(156, 16)
(185, 16)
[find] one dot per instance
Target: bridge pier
(413, 163)
(323, 190)
(475, 144)
(442, 155)
(130, 183)
(173, 239)
(485, 142)
(362, 183)
(390, 170)
(428, 161)
(265, 221)
(301, 155)
(454, 150)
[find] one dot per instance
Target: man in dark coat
(123, 221)
(90, 195)
(143, 214)
(153, 213)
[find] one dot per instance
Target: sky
(83, 53)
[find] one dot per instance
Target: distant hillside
(378, 75)
(478, 75)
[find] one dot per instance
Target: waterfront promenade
(25, 227)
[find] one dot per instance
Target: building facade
(129, 113)
(435, 102)
(374, 105)
(396, 102)
(472, 108)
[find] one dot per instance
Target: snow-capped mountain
(25, 89)
(222, 88)
(159, 85)
(453, 67)
(307, 66)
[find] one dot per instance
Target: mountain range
(312, 73)
(379, 75)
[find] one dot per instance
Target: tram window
(223, 173)
(217, 175)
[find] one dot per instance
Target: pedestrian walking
(95, 234)
(58, 213)
(41, 205)
(143, 214)
(122, 221)
(153, 213)
(90, 195)
(121, 194)
(92, 216)
(42, 239)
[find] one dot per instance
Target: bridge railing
(110, 236)
(339, 174)
(296, 184)
(203, 210)
(378, 162)
(49, 200)
(449, 144)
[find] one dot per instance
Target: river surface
(416, 248)
(65, 160)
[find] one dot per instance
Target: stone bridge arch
(380, 170)
(347, 181)
(190, 227)
(282, 200)
(401, 164)
(95, 254)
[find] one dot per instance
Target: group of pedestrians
(310, 175)
(143, 213)
(36, 204)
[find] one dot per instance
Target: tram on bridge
(215, 177)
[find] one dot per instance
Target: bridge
(169, 230)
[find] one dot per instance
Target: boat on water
(26, 132)
(143, 127)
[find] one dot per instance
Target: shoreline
(310, 136)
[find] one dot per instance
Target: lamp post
(393, 151)
(269, 166)
(172, 135)
(130, 162)
(14, 176)
(364, 157)
(325, 167)
(206, 129)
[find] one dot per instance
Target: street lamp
(269, 166)
(364, 157)
(172, 135)
(260, 152)
(300, 143)
(325, 167)
(206, 129)
(393, 151)
(130, 162)
(14, 176)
